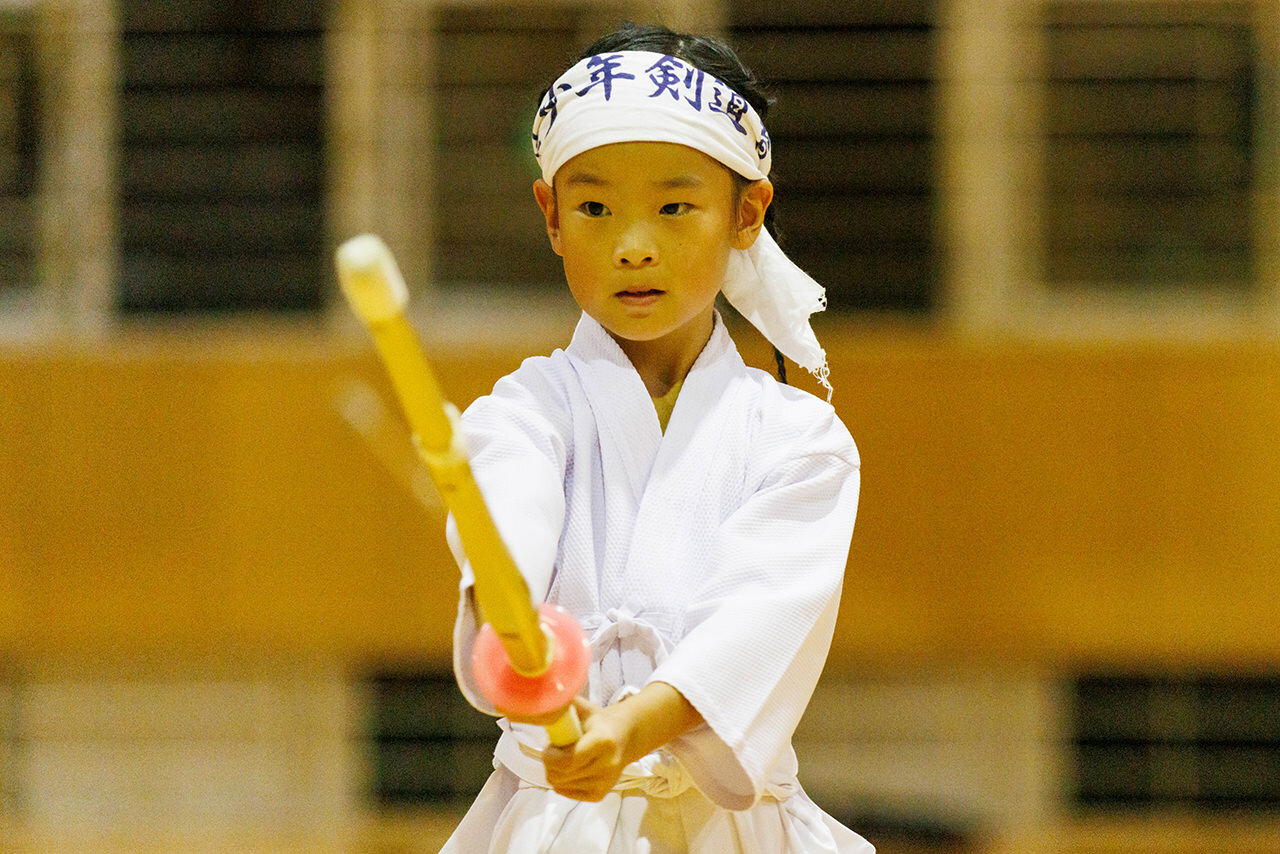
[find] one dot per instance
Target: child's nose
(635, 249)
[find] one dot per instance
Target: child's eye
(675, 208)
(593, 209)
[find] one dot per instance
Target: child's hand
(614, 736)
(589, 768)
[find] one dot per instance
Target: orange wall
(196, 493)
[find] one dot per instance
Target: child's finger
(587, 770)
(585, 708)
(573, 760)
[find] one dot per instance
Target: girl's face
(645, 230)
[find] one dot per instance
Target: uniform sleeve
(759, 629)
(516, 440)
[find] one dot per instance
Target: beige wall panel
(1047, 503)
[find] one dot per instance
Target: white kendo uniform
(709, 557)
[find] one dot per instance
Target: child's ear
(546, 196)
(755, 199)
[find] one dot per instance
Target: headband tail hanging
(777, 297)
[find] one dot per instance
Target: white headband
(637, 96)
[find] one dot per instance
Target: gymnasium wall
(214, 535)
(200, 489)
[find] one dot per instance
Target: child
(693, 514)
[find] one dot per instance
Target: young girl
(694, 514)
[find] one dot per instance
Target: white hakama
(710, 557)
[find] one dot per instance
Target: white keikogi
(709, 557)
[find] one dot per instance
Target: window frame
(993, 98)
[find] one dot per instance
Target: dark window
(19, 152)
(222, 185)
(429, 746)
(492, 65)
(1202, 741)
(1150, 171)
(854, 132)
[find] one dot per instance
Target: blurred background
(1048, 230)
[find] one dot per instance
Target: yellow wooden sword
(528, 661)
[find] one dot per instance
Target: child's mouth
(640, 297)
